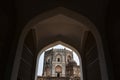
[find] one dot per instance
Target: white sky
(40, 65)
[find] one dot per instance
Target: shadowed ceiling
(59, 25)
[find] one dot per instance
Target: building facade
(59, 64)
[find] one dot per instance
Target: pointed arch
(81, 20)
(58, 57)
(58, 69)
(54, 44)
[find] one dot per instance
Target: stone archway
(72, 16)
(64, 44)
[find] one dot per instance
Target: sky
(41, 59)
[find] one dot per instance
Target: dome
(72, 63)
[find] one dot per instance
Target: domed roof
(72, 63)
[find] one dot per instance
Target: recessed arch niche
(58, 69)
(58, 57)
(71, 32)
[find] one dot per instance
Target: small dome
(72, 63)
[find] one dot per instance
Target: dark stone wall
(113, 37)
(7, 34)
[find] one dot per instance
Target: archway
(66, 46)
(79, 22)
(58, 70)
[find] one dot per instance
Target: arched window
(58, 59)
(48, 60)
(68, 58)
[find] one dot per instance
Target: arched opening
(91, 56)
(58, 70)
(27, 57)
(63, 69)
(68, 58)
(71, 28)
(58, 58)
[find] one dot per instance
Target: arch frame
(54, 44)
(56, 57)
(58, 66)
(60, 10)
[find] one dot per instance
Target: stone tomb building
(59, 64)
